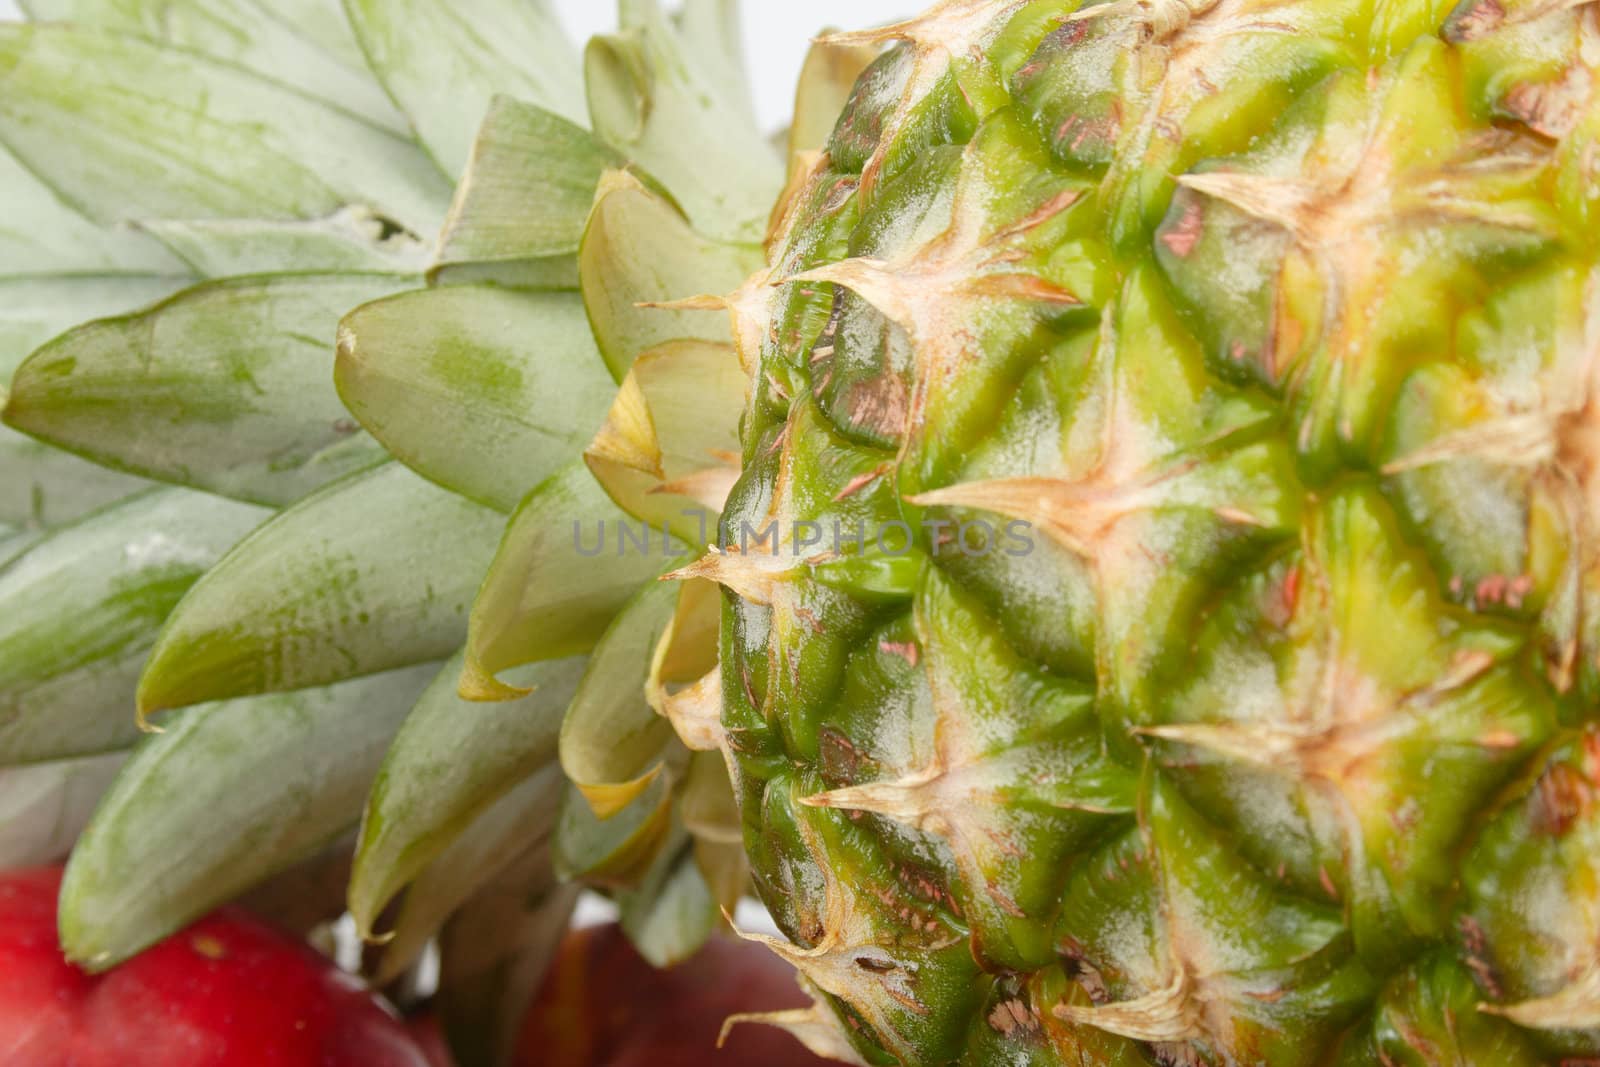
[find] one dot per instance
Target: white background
(776, 35)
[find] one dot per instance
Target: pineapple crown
(335, 334)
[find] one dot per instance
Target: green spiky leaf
(525, 196)
(79, 611)
(371, 574)
(306, 43)
(669, 451)
(45, 806)
(226, 387)
(673, 911)
(443, 62)
(354, 240)
(564, 569)
(201, 139)
(687, 125)
(517, 824)
(229, 795)
(450, 763)
(612, 741)
(619, 852)
(485, 391)
(638, 249)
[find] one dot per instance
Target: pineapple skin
(1221, 377)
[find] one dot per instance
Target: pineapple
(1217, 681)
(1145, 448)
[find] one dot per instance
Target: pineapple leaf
(493, 957)
(45, 806)
(669, 451)
(517, 824)
(14, 541)
(42, 487)
(198, 138)
(351, 241)
(711, 33)
(652, 98)
(36, 308)
(449, 764)
(485, 391)
(709, 806)
(225, 387)
(374, 573)
(45, 237)
(63, 269)
(568, 563)
(612, 742)
(527, 190)
(443, 62)
(79, 610)
(304, 43)
(638, 249)
(619, 852)
(827, 79)
(673, 911)
(228, 796)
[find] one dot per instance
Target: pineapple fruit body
(1215, 682)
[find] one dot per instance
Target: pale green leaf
(669, 453)
(672, 912)
(612, 741)
(15, 540)
(650, 98)
(637, 249)
(616, 853)
(713, 37)
(493, 957)
(42, 237)
(306, 45)
(373, 573)
(41, 487)
(324, 22)
(827, 79)
(554, 273)
(449, 764)
(485, 391)
(568, 563)
(80, 609)
(520, 822)
(443, 62)
(44, 807)
(36, 308)
(352, 241)
(229, 795)
(226, 387)
(124, 129)
(527, 190)
(709, 806)
(58, 269)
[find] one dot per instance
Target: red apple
(430, 1036)
(227, 992)
(604, 1006)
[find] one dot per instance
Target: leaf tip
(478, 685)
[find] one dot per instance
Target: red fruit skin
(605, 1006)
(227, 992)
(430, 1036)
